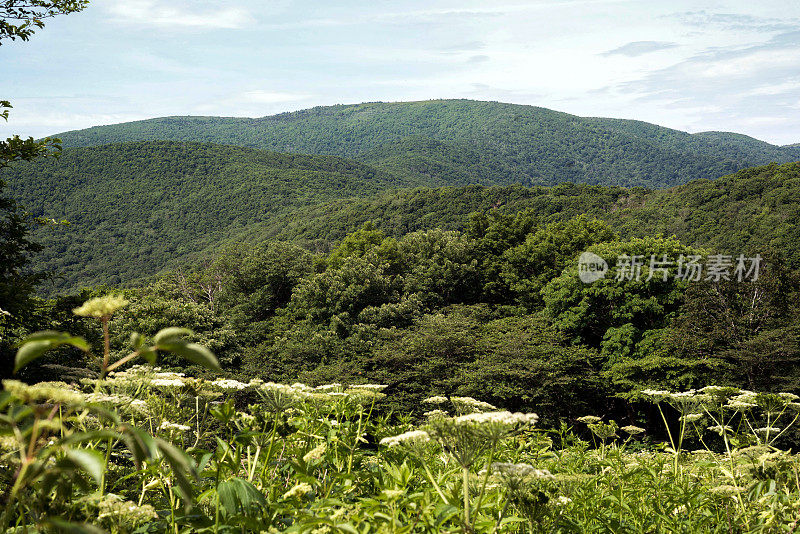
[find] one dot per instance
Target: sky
(690, 65)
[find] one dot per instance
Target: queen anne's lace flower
(225, 383)
(167, 382)
(126, 512)
(633, 430)
(435, 400)
(54, 392)
(740, 406)
(472, 404)
(520, 470)
(505, 418)
(167, 425)
(326, 387)
(298, 491)
(589, 419)
(413, 436)
(101, 307)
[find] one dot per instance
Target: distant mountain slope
(503, 143)
(135, 207)
(753, 211)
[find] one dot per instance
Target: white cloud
(160, 13)
(272, 97)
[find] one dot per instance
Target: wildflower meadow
(139, 448)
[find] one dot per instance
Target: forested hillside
(458, 142)
(134, 207)
(751, 210)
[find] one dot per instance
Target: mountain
(135, 207)
(460, 142)
(752, 211)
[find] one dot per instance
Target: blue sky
(691, 65)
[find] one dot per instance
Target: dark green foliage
(750, 330)
(754, 210)
(513, 362)
(529, 266)
(751, 211)
(458, 142)
(134, 208)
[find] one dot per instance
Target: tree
(19, 19)
(528, 267)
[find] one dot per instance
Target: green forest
(460, 142)
(443, 316)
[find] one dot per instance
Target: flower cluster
(411, 437)
(101, 307)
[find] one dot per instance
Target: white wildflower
(316, 453)
(297, 491)
(589, 419)
(224, 383)
(326, 387)
(411, 437)
(740, 406)
(504, 418)
(521, 470)
(633, 430)
(101, 307)
(435, 400)
(167, 425)
(167, 382)
(472, 404)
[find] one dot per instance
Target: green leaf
(89, 461)
(193, 352)
(136, 340)
(29, 352)
(237, 493)
(183, 468)
(171, 333)
(37, 344)
(58, 337)
(140, 443)
(148, 355)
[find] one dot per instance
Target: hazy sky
(691, 65)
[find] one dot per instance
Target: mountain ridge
(513, 143)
